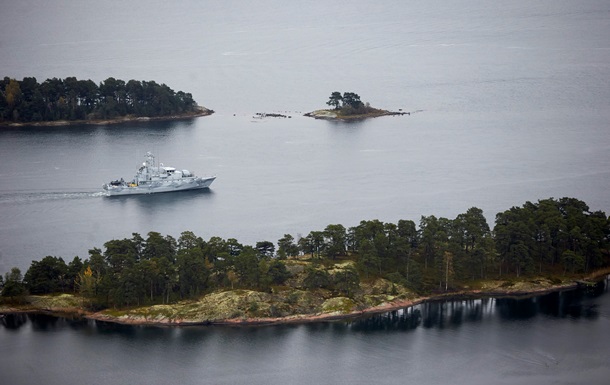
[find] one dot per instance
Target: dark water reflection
(133, 129)
(13, 321)
(578, 303)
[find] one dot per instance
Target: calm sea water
(559, 338)
(510, 104)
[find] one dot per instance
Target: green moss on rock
(341, 305)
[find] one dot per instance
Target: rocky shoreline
(333, 115)
(333, 316)
(182, 314)
(201, 111)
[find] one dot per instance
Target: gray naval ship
(152, 178)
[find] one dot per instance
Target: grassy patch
(341, 305)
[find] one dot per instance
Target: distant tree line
(55, 99)
(550, 238)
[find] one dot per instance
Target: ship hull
(160, 187)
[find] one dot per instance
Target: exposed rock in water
(261, 115)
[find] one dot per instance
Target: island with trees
(348, 106)
(72, 101)
(332, 273)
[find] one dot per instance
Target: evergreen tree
(13, 287)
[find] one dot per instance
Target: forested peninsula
(71, 101)
(332, 273)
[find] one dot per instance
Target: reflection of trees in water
(41, 321)
(454, 313)
(439, 314)
(571, 303)
(404, 319)
(450, 314)
(44, 322)
(13, 321)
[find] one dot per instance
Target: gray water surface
(511, 104)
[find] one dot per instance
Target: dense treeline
(551, 238)
(27, 101)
